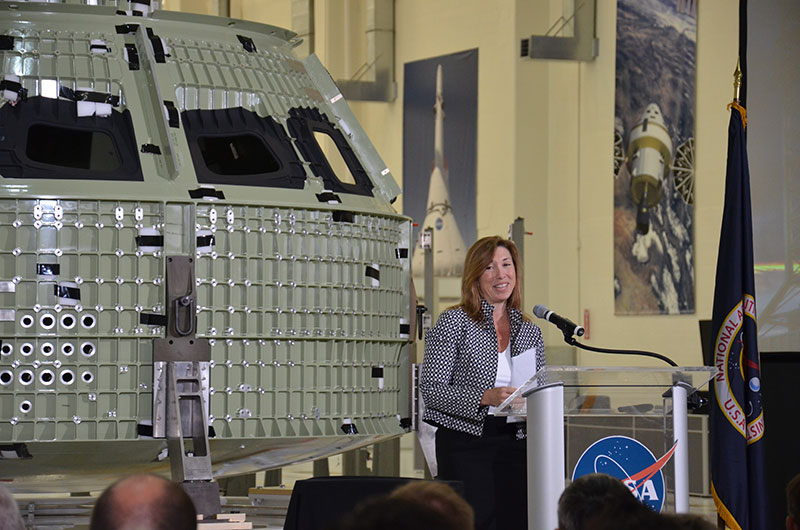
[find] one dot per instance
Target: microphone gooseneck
(569, 329)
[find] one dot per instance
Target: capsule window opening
(72, 148)
(236, 146)
(242, 154)
(334, 157)
(330, 156)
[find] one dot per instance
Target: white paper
(523, 367)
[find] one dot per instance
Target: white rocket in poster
(448, 244)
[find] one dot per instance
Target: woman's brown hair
(479, 256)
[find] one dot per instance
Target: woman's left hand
(495, 396)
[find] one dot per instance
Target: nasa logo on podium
(630, 461)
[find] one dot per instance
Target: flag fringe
(742, 112)
(723, 511)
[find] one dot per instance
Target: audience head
(596, 497)
(648, 519)
(440, 497)
(394, 513)
(10, 518)
(144, 502)
(793, 504)
(685, 521)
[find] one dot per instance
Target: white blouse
(503, 377)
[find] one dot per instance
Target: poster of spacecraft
(439, 156)
(654, 157)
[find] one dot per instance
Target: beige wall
(675, 336)
(274, 12)
(545, 133)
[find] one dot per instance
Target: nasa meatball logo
(631, 462)
(734, 367)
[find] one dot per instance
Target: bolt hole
(88, 321)
(47, 321)
(67, 349)
(46, 377)
(87, 349)
(25, 407)
(87, 377)
(26, 321)
(26, 377)
(67, 377)
(7, 349)
(47, 349)
(26, 349)
(67, 321)
(6, 377)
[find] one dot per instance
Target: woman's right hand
(495, 396)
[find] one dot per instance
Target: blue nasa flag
(737, 418)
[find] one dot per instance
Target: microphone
(567, 327)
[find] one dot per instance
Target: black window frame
(17, 120)
(237, 121)
(303, 122)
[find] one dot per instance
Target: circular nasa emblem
(439, 224)
(631, 462)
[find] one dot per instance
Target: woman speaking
(466, 372)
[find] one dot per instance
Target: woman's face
(498, 280)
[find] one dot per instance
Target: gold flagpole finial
(737, 81)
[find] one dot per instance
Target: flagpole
(737, 88)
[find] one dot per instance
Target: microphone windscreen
(540, 310)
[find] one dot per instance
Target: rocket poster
(439, 155)
(654, 157)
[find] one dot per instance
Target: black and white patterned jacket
(461, 364)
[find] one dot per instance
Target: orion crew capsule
(649, 159)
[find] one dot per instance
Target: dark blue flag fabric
(737, 419)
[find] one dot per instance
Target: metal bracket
(181, 389)
(582, 46)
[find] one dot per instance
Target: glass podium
(557, 394)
